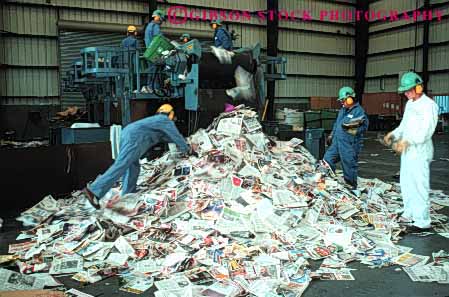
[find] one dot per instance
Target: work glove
(329, 140)
(352, 131)
(400, 146)
(388, 138)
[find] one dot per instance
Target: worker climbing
(346, 137)
(136, 139)
(222, 38)
(413, 140)
(152, 29)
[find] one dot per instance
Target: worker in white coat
(413, 140)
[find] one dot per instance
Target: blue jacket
(150, 131)
(222, 38)
(130, 42)
(151, 31)
(345, 115)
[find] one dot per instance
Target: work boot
(414, 229)
(93, 200)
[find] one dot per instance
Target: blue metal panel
(84, 135)
(191, 89)
(443, 103)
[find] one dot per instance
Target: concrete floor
(387, 281)
(369, 282)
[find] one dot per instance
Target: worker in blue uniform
(185, 38)
(222, 38)
(152, 29)
(346, 136)
(135, 140)
(131, 42)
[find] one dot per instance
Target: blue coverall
(130, 43)
(346, 147)
(222, 38)
(135, 140)
(151, 31)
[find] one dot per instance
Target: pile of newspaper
(247, 215)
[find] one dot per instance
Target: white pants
(415, 186)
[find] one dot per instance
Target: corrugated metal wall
(70, 45)
(320, 55)
(396, 46)
(30, 46)
(30, 50)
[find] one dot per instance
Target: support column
(361, 49)
(425, 48)
(272, 50)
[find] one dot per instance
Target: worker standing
(346, 136)
(222, 38)
(152, 29)
(185, 38)
(130, 44)
(413, 140)
(135, 140)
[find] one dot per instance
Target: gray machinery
(188, 76)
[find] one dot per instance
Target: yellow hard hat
(167, 109)
(132, 29)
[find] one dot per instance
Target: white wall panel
(439, 31)
(117, 5)
(400, 5)
(439, 58)
(30, 51)
(31, 82)
(439, 83)
(318, 65)
(393, 63)
(311, 42)
(307, 87)
(397, 39)
(374, 85)
(82, 15)
(29, 20)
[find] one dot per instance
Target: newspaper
(428, 273)
(246, 211)
(122, 245)
(409, 259)
(137, 285)
(174, 283)
(13, 281)
(21, 247)
(40, 212)
(335, 274)
(230, 126)
(76, 293)
(66, 265)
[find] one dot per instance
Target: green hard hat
(345, 92)
(185, 35)
(159, 13)
(408, 81)
(217, 21)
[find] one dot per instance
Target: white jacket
(417, 127)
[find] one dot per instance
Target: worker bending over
(222, 38)
(135, 140)
(414, 143)
(346, 136)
